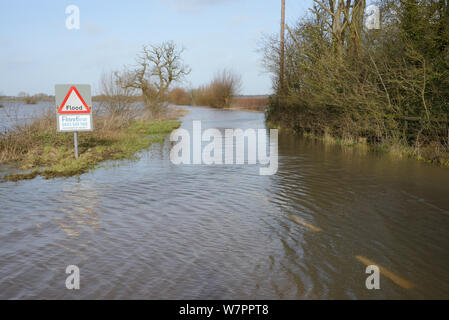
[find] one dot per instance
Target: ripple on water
(150, 229)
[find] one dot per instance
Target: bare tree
(158, 66)
(117, 98)
(338, 15)
(281, 64)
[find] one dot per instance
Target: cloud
(92, 28)
(20, 60)
(239, 19)
(189, 5)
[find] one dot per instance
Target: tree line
(387, 86)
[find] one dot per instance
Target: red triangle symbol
(73, 103)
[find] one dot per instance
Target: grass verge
(433, 153)
(40, 150)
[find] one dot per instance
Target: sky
(37, 51)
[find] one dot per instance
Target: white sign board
(74, 122)
(74, 107)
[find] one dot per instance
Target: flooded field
(16, 113)
(149, 229)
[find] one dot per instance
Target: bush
(116, 99)
(219, 92)
(383, 85)
(179, 96)
(30, 100)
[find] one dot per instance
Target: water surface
(149, 229)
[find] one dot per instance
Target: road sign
(73, 103)
(74, 107)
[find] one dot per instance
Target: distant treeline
(183, 97)
(221, 92)
(387, 86)
(27, 98)
(151, 80)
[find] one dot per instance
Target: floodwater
(149, 229)
(16, 113)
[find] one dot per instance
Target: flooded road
(149, 229)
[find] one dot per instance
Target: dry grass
(250, 103)
(172, 113)
(15, 143)
(179, 96)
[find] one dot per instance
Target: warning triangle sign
(73, 103)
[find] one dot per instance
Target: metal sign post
(75, 141)
(74, 109)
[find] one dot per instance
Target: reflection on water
(151, 229)
(79, 219)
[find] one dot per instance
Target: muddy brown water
(154, 230)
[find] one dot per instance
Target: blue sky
(37, 50)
